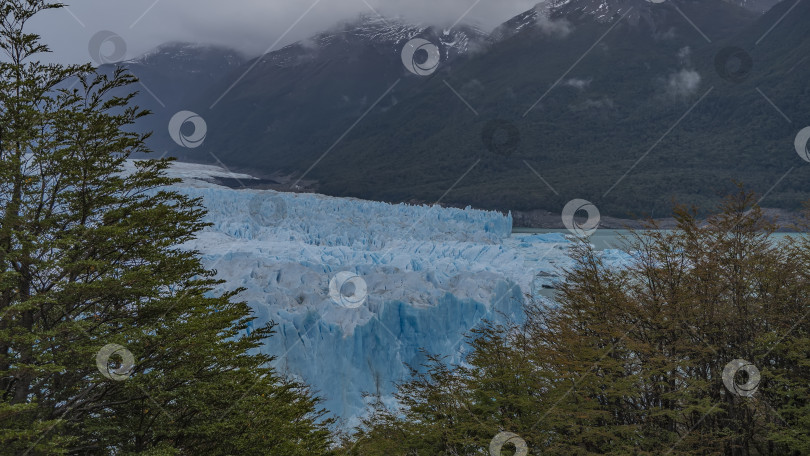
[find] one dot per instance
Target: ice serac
(430, 274)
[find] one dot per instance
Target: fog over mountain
(250, 26)
(255, 27)
(276, 116)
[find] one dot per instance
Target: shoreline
(521, 220)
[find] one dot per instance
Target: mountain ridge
(413, 142)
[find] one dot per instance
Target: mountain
(383, 34)
(171, 75)
(551, 16)
(628, 109)
(329, 79)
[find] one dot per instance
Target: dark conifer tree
(112, 340)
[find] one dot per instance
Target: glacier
(359, 289)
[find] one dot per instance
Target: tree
(112, 339)
(698, 345)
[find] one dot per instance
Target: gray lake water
(601, 239)
(612, 239)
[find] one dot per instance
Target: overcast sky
(250, 26)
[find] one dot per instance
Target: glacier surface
(359, 288)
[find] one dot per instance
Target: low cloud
(250, 26)
(580, 84)
(684, 83)
(666, 35)
(685, 56)
(555, 29)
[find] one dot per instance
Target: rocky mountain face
(170, 76)
(578, 89)
(636, 12)
(383, 34)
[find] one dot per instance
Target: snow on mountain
(386, 33)
(189, 56)
(392, 31)
(553, 11)
(606, 11)
(426, 276)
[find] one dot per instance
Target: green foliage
(630, 360)
(89, 257)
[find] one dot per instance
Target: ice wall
(428, 275)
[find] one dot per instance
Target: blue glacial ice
(430, 275)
